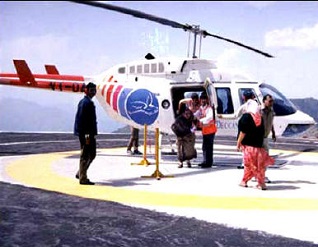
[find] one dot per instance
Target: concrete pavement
(289, 208)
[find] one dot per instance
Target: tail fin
(24, 73)
(51, 69)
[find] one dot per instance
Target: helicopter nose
(300, 124)
(296, 129)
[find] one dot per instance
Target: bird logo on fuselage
(142, 106)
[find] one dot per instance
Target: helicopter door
(210, 90)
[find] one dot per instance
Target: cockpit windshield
(282, 106)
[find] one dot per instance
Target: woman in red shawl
(250, 142)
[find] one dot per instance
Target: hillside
(307, 105)
(18, 115)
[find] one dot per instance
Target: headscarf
(253, 108)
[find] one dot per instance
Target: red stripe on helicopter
(110, 78)
(109, 93)
(115, 97)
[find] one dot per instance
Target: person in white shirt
(248, 96)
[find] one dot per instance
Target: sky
(85, 40)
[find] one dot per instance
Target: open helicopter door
(210, 90)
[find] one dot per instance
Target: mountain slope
(23, 115)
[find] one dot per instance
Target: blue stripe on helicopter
(122, 102)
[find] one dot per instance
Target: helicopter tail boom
(50, 81)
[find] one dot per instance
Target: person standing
(184, 130)
(250, 142)
(133, 141)
(268, 118)
(208, 128)
(248, 95)
(85, 128)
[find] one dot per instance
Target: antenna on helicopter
(194, 29)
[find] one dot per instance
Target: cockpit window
(282, 106)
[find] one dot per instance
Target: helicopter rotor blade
(205, 33)
(136, 13)
(164, 21)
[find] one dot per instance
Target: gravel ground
(32, 217)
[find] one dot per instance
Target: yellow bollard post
(157, 174)
(144, 161)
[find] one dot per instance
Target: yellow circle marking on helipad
(36, 171)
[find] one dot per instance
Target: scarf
(253, 108)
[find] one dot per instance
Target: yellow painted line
(36, 171)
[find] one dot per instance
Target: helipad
(209, 194)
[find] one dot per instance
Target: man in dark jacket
(85, 128)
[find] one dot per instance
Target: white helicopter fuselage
(147, 92)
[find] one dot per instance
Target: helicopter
(147, 91)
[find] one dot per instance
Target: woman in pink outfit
(250, 142)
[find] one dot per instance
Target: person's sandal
(189, 164)
(242, 184)
(261, 187)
